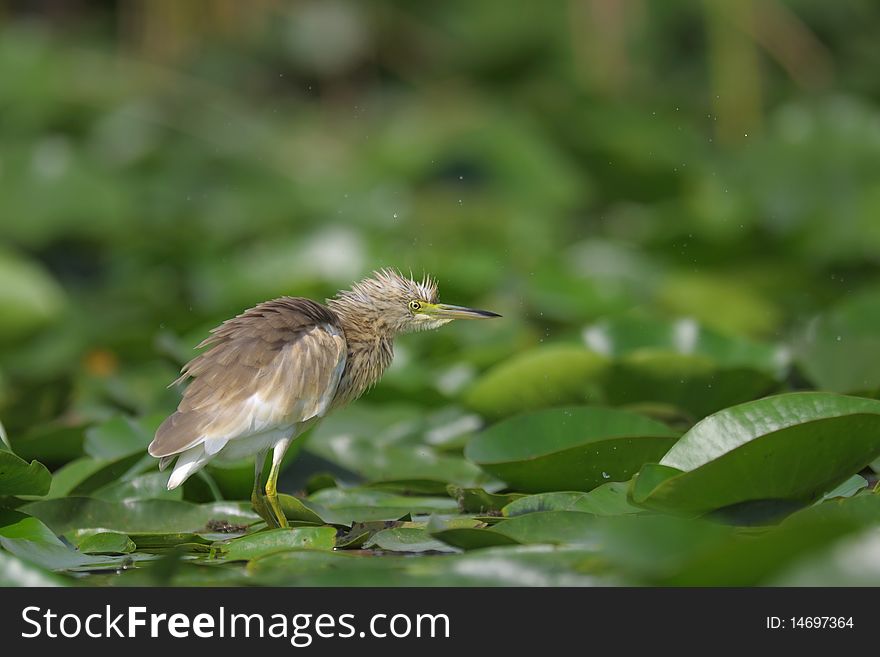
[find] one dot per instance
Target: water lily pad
(15, 571)
(31, 540)
(407, 539)
(466, 533)
(137, 516)
(791, 447)
(277, 540)
(514, 565)
(607, 500)
(477, 500)
(576, 448)
(556, 375)
(106, 543)
(397, 462)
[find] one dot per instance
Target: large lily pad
(556, 375)
(790, 448)
(607, 500)
(68, 513)
(576, 448)
(514, 565)
(397, 462)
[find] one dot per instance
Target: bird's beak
(447, 311)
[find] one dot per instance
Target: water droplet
(605, 475)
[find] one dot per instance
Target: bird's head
(393, 303)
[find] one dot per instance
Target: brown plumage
(274, 370)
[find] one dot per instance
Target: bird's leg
(257, 499)
(271, 484)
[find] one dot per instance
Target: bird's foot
(279, 517)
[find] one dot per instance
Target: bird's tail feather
(190, 462)
(179, 432)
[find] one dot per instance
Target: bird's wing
(276, 364)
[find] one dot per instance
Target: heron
(278, 368)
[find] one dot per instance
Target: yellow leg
(257, 499)
(272, 482)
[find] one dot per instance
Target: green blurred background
(165, 165)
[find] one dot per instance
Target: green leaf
(499, 566)
(151, 485)
(30, 297)
(29, 539)
(846, 489)
(751, 561)
(407, 539)
(137, 516)
(4, 439)
(607, 500)
(108, 472)
(576, 448)
(159, 542)
(17, 572)
(278, 540)
(302, 511)
(682, 364)
(106, 543)
(72, 473)
(120, 436)
(52, 444)
(556, 375)
(840, 350)
(477, 500)
(743, 311)
(396, 462)
(692, 383)
(18, 477)
(353, 500)
(627, 336)
(553, 527)
(466, 533)
(789, 448)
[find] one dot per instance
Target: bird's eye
(414, 305)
